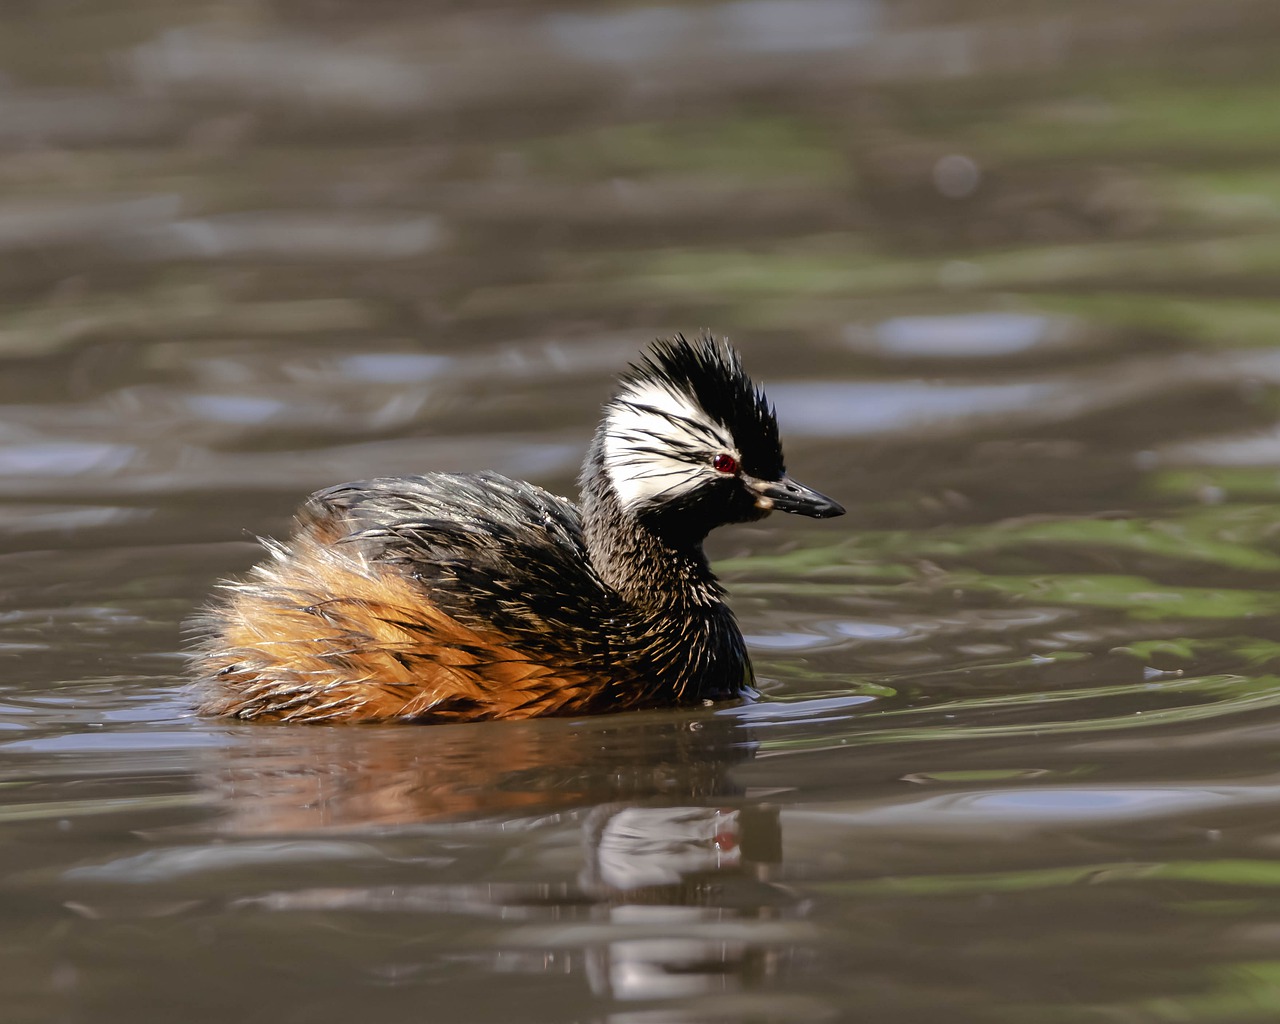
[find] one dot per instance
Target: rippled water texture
(1010, 274)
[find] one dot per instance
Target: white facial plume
(658, 444)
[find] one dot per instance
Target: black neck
(686, 634)
(650, 569)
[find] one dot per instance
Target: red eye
(724, 463)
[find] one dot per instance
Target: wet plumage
(450, 597)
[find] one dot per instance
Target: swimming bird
(456, 597)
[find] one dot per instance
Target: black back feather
(491, 551)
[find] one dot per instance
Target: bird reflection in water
(685, 870)
(673, 897)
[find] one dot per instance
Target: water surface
(1010, 279)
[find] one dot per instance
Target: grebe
(456, 597)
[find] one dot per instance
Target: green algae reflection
(994, 559)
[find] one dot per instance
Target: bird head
(689, 443)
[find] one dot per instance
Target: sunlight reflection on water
(1039, 805)
(851, 409)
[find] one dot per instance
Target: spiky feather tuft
(710, 373)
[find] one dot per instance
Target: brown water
(1011, 280)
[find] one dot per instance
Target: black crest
(710, 372)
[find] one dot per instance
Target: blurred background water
(1010, 275)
